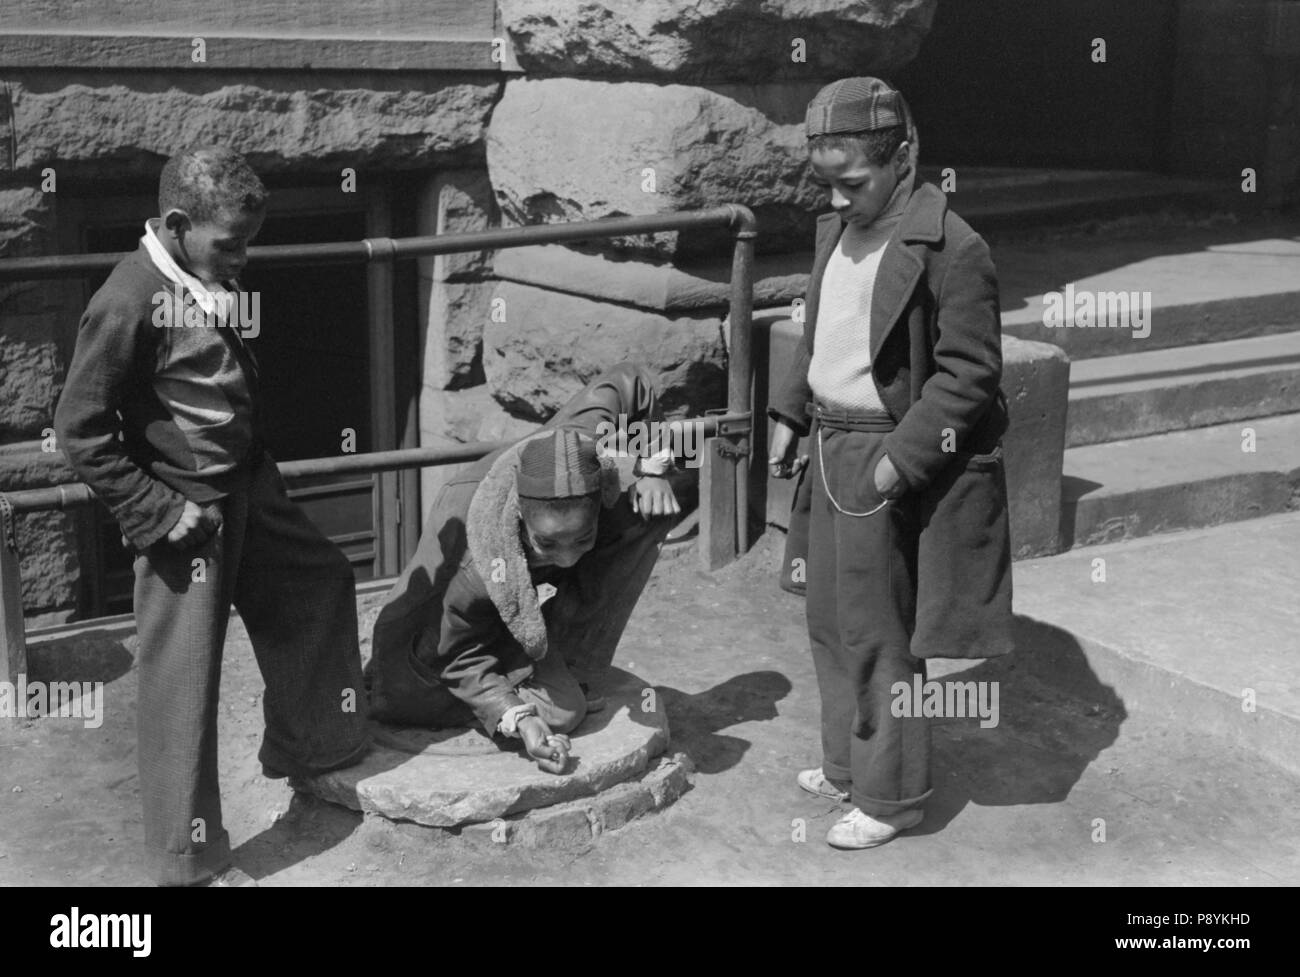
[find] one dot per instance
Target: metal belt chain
(821, 462)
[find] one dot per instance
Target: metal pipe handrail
(741, 219)
(735, 425)
(72, 494)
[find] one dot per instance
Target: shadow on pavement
(310, 827)
(1055, 719)
(695, 721)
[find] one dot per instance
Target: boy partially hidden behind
(161, 418)
(907, 546)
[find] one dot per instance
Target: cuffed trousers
(861, 607)
(296, 595)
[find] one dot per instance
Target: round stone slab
(447, 778)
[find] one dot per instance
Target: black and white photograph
(651, 443)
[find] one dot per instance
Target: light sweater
(840, 371)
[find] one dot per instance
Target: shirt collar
(207, 297)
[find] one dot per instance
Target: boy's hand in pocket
(196, 526)
(888, 482)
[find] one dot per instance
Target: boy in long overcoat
(902, 513)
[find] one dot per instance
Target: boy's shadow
(695, 720)
(310, 827)
(1055, 719)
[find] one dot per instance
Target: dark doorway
(1014, 83)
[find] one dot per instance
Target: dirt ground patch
(727, 654)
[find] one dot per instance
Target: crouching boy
(528, 570)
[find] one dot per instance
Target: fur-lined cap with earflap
(492, 528)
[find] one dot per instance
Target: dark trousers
(296, 595)
(861, 607)
(585, 621)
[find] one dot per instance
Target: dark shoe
(595, 701)
(275, 773)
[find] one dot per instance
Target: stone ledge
(1035, 379)
(447, 779)
(657, 286)
(93, 49)
(576, 825)
(733, 39)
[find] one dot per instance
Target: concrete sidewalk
(1199, 628)
(1089, 777)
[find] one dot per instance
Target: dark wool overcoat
(936, 359)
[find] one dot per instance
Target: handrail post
(13, 637)
(381, 250)
(740, 379)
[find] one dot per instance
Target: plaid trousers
(296, 595)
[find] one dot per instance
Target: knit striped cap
(557, 466)
(854, 105)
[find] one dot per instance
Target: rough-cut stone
(47, 541)
(24, 221)
(746, 40)
(31, 371)
(441, 790)
(47, 557)
(464, 416)
(282, 123)
(453, 296)
(453, 417)
(572, 826)
(316, 21)
(26, 225)
(658, 286)
(1036, 380)
(454, 321)
(551, 345)
(701, 147)
(456, 202)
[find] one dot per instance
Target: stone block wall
(636, 108)
(81, 133)
(618, 107)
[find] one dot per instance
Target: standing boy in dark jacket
(160, 417)
(908, 552)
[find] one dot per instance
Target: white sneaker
(858, 829)
(231, 878)
(815, 782)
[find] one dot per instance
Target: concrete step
(997, 198)
(1180, 480)
(1139, 394)
(1199, 628)
(1193, 285)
